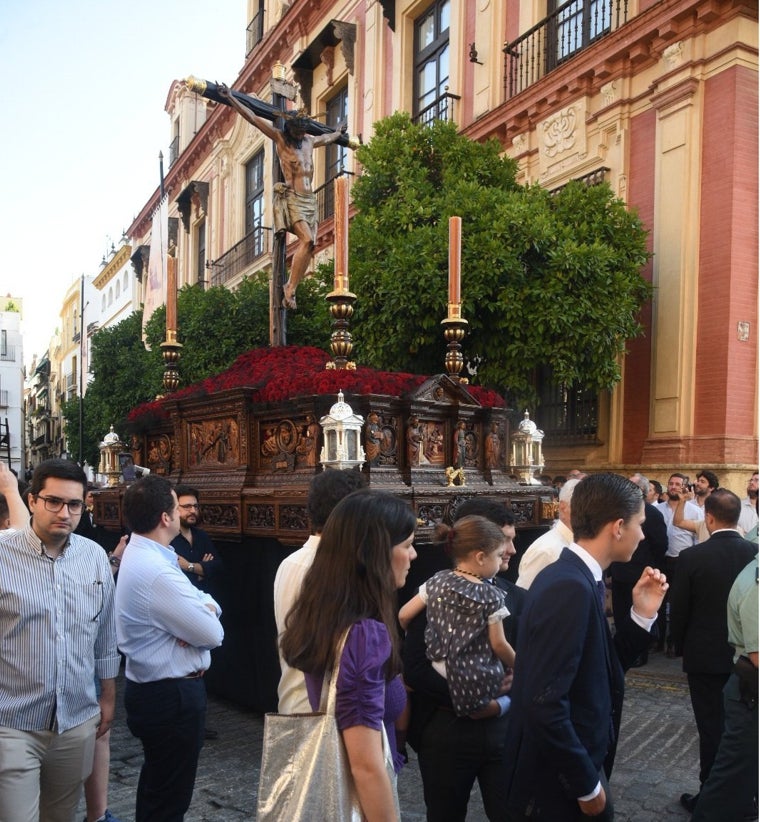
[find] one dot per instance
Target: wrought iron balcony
(440, 109)
(254, 32)
(173, 151)
(254, 245)
(567, 31)
(8, 353)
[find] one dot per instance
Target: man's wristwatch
(190, 567)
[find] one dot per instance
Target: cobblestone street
(657, 757)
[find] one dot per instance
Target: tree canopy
(547, 279)
(215, 326)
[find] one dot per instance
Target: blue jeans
(168, 716)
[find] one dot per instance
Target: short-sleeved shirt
(459, 612)
(742, 612)
(364, 694)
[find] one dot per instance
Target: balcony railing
(326, 195)
(243, 254)
(561, 35)
(254, 32)
(8, 353)
(3, 399)
(173, 151)
(71, 381)
(440, 109)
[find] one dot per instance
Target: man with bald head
(547, 548)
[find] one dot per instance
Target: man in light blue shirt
(166, 628)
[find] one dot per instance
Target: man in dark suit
(568, 688)
(650, 551)
(455, 751)
(699, 623)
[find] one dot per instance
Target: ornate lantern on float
(341, 430)
(527, 458)
(110, 449)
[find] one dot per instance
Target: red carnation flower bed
(281, 373)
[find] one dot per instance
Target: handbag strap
(328, 696)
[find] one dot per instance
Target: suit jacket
(698, 601)
(650, 551)
(567, 694)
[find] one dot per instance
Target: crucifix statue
(295, 203)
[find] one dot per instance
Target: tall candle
(171, 294)
(341, 233)
(455, 256)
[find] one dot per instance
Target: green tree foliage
(215, 326)
(546, 279)
(125, 374)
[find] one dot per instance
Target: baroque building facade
(659, 99)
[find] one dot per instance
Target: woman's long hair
(350, 579)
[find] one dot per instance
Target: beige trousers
(41, 772)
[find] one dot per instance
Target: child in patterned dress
(465, 636)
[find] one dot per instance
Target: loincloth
(291, 207)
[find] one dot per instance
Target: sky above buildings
(82, 122)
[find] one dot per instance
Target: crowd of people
(516, 686)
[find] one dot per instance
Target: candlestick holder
(454, 331)
(171, 351)
(341, 309)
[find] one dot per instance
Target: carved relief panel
(287, 444)
(381, 439)
(213, 442)
(160, 453)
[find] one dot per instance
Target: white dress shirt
(163, 625)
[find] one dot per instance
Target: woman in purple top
(363, 558)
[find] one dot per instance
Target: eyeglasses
(55, 504)
(188, 506)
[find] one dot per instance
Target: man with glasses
(58, 634)
(194, 548)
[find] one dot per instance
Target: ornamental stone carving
(559, 131)
(673, 54)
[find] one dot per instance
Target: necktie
(601, 592)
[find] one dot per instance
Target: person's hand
(223, 91)
(343, 128)
(8, 480)
(649, 592)
(506, 683)
(593, 807)
(207, 557)
(487, 711)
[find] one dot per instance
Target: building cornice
(115, 264)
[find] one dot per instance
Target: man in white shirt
(748, 517)
(678, 540)
(166, 628)
(57, 629)
(325, 492)
(547, 548)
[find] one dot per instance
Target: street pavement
(657, 758)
